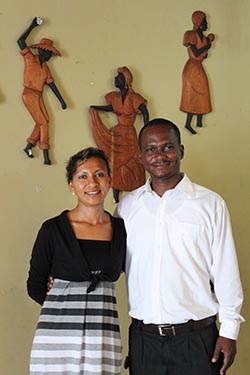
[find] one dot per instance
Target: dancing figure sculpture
(36, 75)
(120, 142)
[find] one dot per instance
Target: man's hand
(228, 348)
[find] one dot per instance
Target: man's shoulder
(134, 194)
(206, 194)
(205, 190)
(129, 201)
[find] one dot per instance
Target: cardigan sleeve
(40, 265)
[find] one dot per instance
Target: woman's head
(127, 75)
(81, 157)
(197, 18)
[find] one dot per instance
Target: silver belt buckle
(161, 327)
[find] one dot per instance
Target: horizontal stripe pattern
(77, 333)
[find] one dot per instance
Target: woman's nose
(93, 180)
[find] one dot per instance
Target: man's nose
(159, 153)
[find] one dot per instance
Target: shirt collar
(185, 186)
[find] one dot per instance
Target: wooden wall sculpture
(36, 75)
(195, 98)
(120, 142)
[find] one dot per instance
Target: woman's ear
(110, 181)
(71, 187)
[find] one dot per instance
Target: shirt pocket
(185, 238)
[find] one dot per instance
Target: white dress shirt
(176, 245)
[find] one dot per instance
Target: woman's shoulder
(112, 95)
(117, 222)
(189, 37)
(114, 219)
(55, 220)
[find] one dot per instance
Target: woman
(120, 142)
(84, 250)
(195, 88)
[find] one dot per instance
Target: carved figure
(120, 142)
(36, 75)
(195, 98)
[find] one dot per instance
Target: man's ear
(140, 156)
(182, 151)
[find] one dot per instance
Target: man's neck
(160, 186)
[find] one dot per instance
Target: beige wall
(95, 37)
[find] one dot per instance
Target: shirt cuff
(229, 329)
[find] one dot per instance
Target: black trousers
(184, 354)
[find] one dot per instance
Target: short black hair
(160, 121)
(82, 156)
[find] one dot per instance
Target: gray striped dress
(77, 332)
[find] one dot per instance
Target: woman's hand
(50, 283)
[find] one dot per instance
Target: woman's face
(120, 81)
(203, 25)
(91, 182)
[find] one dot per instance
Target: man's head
(161, 151)
(160, 121)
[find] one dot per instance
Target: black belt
(174, 329)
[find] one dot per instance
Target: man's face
(161, 153)
(46, 55)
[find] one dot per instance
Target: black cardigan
(56, 252)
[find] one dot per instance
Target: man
(181, 266)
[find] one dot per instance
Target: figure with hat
(120, 142)
(36, 75)
(195, 98)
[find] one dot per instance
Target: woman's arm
(106, 108)
(40, 266)
(198, 51)
(145, 114)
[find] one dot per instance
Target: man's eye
(150, 149)
(168, 148)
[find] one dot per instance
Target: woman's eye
(100, 174)
(82, 177)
